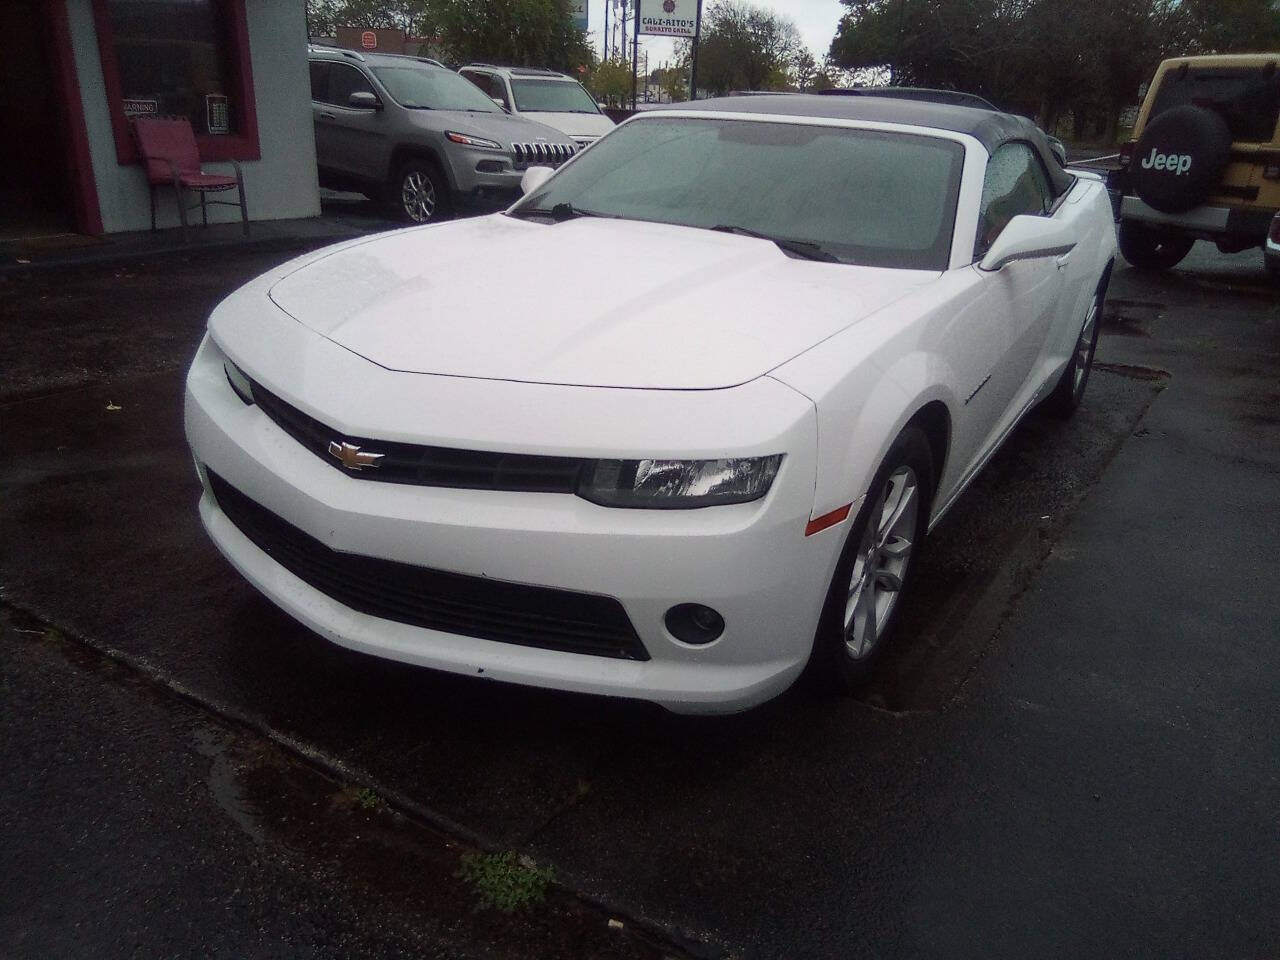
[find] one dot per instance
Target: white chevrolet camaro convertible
(675, 425)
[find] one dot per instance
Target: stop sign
(369, 40)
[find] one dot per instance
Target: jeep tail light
(1126, 152)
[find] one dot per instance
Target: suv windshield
(551, 96)
(862, 196)
(433, 88)
(1246, 98)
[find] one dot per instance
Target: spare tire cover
(1180, 158)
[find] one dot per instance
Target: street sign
(369, 40)
(668, 18)
(578, 11)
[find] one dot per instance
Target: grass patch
(367, 799)
(504, 881)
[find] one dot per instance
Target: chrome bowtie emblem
(352, 457)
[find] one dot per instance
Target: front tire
(420, 193)
(1149, 249)
(877, 564)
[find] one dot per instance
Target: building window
(186, 58)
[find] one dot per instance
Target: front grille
(439, 600)
(543, 154)
(426, 466)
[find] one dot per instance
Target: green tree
(611, 82)
(1084, 60)
(536, 33)
(805, 70)
(744, 47)
(412, 16)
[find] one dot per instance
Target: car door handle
(1061, 261)
(328, 116)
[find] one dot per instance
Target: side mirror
(364, 100)
(1028, 238)
(533, 178)
(500, 102)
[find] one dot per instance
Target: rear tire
(877, 564)
(1273, 267)
(1149, 249)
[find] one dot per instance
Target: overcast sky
(816, 19)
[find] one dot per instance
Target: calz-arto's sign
(668, 18)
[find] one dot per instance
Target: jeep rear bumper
(1204, 222)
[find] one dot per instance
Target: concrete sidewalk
(344, 216)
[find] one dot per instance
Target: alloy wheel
(418, 196)
(1084, 347)
(880, 566)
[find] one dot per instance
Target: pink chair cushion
(166, 144)
(207, 181)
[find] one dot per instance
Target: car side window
(343, 82)
(1015, 183)
(319, 81)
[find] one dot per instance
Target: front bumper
(751, 562)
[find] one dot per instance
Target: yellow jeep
(1204, 161)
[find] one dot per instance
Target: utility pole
(607, 4)
(635, 50)
(697, 34)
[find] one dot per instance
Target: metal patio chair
(168, 148)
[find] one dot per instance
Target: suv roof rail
(411, 56)
(334, 48)
(523, 71)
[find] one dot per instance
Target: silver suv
(409, 131)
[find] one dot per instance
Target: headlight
(473, 141)
(678, 484)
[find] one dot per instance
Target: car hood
(502, 127)
(592, 302)
(574, 124)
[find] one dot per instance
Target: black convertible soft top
(991, 128)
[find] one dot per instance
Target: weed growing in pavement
(367, 799)
(505, 881)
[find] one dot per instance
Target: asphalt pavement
(1072, 752)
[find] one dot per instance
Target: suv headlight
(470, 141)
(678, 484)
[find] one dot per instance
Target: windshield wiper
(801, 248)
(561, 212)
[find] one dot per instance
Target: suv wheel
(420, 192)
(1149, 249)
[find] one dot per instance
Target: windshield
(551, 96)
(862, 196)
(433, 88)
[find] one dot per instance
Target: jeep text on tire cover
(1179, 163)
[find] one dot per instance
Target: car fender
(861, 410)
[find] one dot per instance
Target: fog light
(694, 623)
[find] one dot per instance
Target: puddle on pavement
(224, 785)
